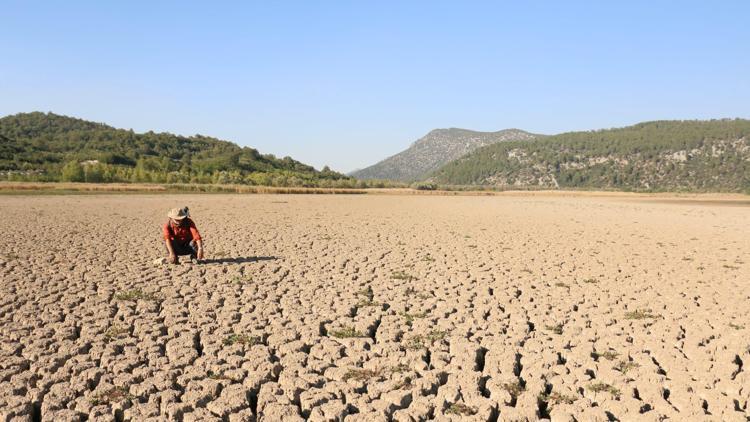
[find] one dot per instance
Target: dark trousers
(184, 248)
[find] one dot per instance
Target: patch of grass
(114, 332)
(609, 355)
(361, 374)
(405, 383)
(591, 281)
(411, 317)
(367, 296)
(241, 339)
(526, 270)
(428, 258)
(411, 291)
(220, 254)
(400, 368)
(687, 258)
(134, 295)
(736, 327)
(471, 246)
(401, 275)
(113, 395)
(557, 329)
(460, 409)
(625, 365)
(731, 267)
(366, 302)
(561, 284)
(415, 343)
(420, 341)
(514, 388)
(218, 376)
(242, 279)
(640, 314)
(554, 398)
(346, 332)
(435, 335)
(602, 387)
(368, 293)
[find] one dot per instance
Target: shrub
(424, 186)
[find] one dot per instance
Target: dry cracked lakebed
(369, 308)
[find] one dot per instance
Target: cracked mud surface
(375, 308)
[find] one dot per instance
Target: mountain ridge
(436, 148)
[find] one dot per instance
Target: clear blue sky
(349, 83)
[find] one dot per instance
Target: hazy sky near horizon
(350, 83)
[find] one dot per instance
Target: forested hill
(654, 156)
(50, 147)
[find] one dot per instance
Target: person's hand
(172, 258)
(200, 253)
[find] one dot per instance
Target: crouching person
(181, 236)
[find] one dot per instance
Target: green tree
(72, 172)
(93, 173)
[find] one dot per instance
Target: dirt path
(375, 308)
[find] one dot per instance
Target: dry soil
(375, 308)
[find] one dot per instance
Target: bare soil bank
(38, 188)
(376, 307)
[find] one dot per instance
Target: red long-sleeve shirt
(184, 233)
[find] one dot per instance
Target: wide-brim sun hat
(178, 213)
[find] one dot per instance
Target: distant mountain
(435, 149)
(653, 156)
(51, 147)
